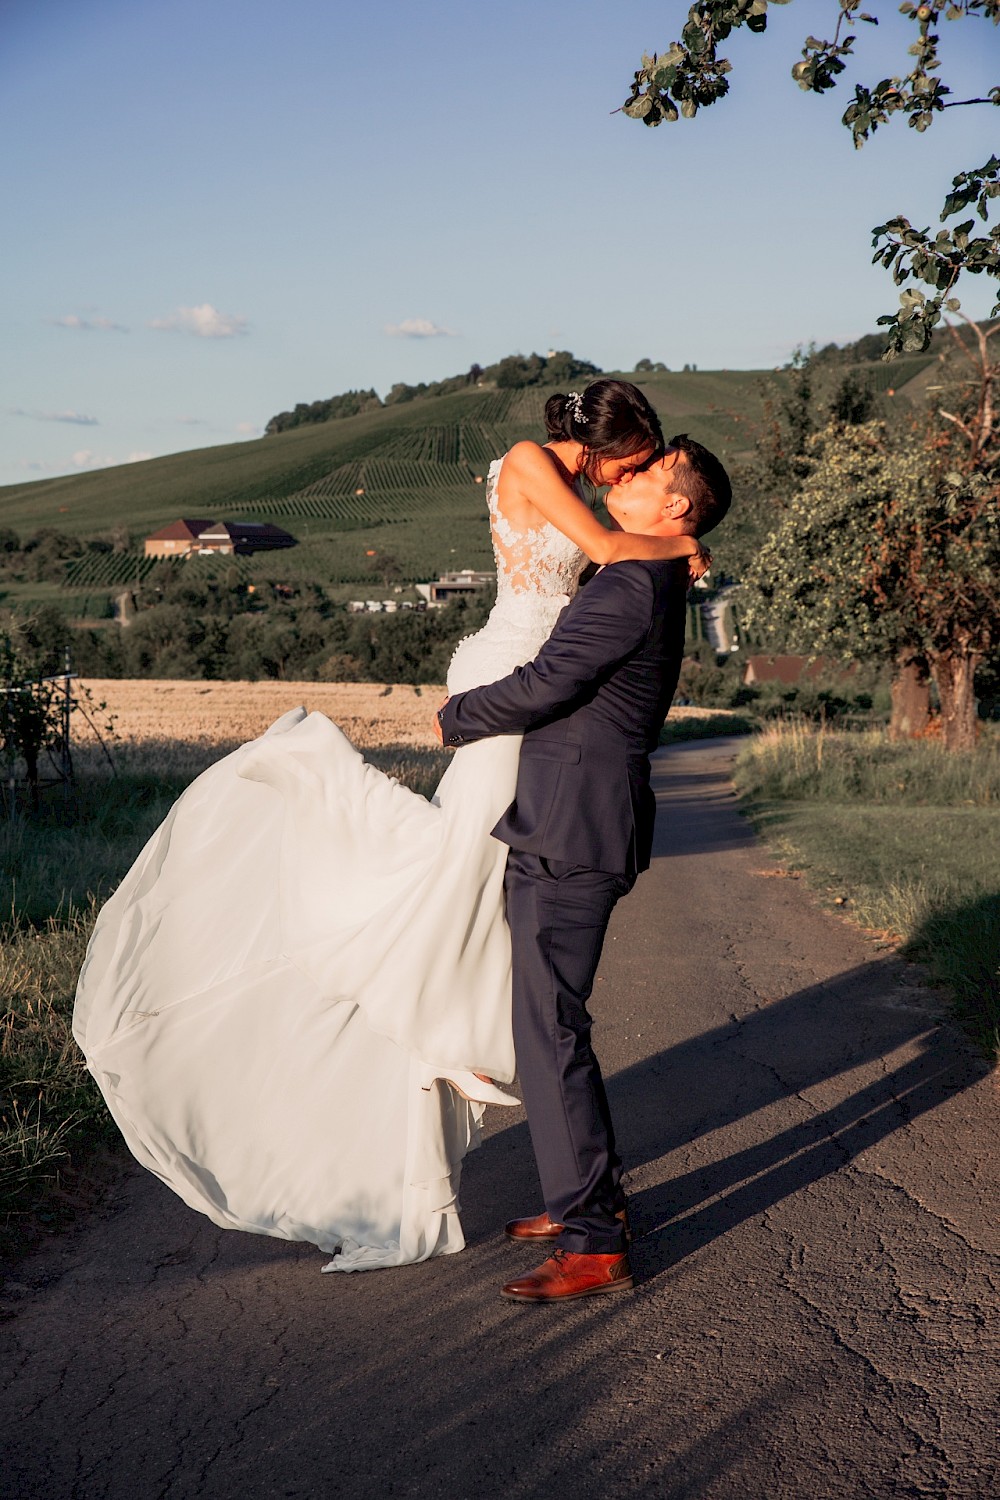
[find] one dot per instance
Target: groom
(591, 706)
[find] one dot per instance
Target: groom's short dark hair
(704, 480)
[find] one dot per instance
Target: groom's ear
(676, 506)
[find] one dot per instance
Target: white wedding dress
(299, 951)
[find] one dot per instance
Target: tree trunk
(910, 697)
(954, 672)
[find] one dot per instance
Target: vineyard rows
(350, 512)
(106, 569)
(481, 444)
(494, 408)
(421, 547)
(525, 407)
(469, 445)
(407, 474)
(895, 374)
(433, 444)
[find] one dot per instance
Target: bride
(293, 999)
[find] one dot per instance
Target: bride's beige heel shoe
(477, 1090)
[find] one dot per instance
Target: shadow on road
(700, 812)
(688, 1099)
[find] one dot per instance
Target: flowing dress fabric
(299, 951)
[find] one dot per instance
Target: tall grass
(55, 869)
(796, 761)
(903, 836)
(48, 1101)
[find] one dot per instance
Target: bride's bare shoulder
(524, 462)
(527, 452)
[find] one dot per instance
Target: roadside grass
(708, 725)
(49, 1105)
(56, 868)
(902, 837)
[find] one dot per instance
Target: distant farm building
(177, 539)
(790, 670)
(453, 585)
(186, 538)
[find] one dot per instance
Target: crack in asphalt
(817, 1309)
(946, 1223)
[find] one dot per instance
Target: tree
(516, 371)
(691, 75)
(29, 710)
(908, 600)
(386, 569)
(853, 401)
(890, 550)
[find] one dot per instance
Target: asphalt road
(813, 1179)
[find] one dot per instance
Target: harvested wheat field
(177, 728)
(369, 713)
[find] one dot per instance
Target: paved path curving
(814, 1182)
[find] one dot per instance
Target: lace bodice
(537, 574)
(542, 561)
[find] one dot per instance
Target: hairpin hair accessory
(575, 403)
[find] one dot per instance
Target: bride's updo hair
(611, 418)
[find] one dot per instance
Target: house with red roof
(177, 539)
(187, 537)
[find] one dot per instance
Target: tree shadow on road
(686, 1107)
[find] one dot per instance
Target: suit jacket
(590, 706)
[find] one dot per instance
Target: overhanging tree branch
(691, 75)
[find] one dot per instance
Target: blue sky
(216, 209)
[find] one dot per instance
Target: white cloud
(83, 458)
(248, 427)
(191, 421)
(86, 458)
(73, 320)
(206, 322)
(418, 328)
(76, 417)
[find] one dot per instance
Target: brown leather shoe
(541, 1227)
(566, 1275)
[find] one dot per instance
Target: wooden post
(67, 710)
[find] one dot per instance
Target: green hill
(404, 480)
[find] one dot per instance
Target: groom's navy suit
(591, 706)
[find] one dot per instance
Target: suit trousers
(558, 915)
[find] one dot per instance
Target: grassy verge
(55, 868)
(708, 725)
(902, 837)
